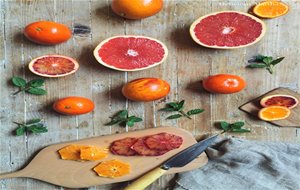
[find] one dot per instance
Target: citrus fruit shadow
(106, 13)
(19, 38)
(196, 87)
(116, 94)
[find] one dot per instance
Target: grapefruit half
(130, 53)
(53, 66)
(227, 30)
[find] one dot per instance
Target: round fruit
(273, 113)
(53, 66)
(136, 9)
(73, 105)
(270, 9)
(227, 30)
(279, 100)
(224, 83)
(146, 89)
(47, 32)
(130, 53)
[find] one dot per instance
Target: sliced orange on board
(112, 168)
(273, 113)
(92, 153)
(270, 9)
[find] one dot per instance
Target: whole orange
(224, 83)
(47, 32)
(136, 9)
(73, 105)
(146, 89)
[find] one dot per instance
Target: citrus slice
(279, 100)
(273, 113)
(130, 53)
(71, 152)
(227, 30)
(92, 153)
(112, 168)
(163, 141)
(53, 66)
(122, 146)
(270, 9)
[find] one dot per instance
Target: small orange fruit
(136, 9)
(270, 9)
(279, 100)
(112, 168)
(73, 105)
(273, 113)
(92, 153)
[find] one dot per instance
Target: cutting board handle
(19, 173)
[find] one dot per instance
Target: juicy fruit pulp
(136, 9)
(73, 105)
(130, 53)
(47, 32)
(227, 30)
(53, 66)
(224, 83)
(279, 100)
(273, 113)
(112, 168)
(146, 89)
(270, 9)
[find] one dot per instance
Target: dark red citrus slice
(227, 30)
(163, 141)
(53, 66)
(123, 146)
(279, 100)
(141, 148)
(130, 53)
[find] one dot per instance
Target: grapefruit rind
(262, 113)
(98, 58)
(265, 99)
(192, 33)
(31, 64)
(257, 12)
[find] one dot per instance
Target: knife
(179, 160)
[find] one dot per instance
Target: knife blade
(179, 160)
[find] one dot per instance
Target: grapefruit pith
(227, 30)
(130, 53)
(53, 66)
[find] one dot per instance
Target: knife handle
(144, 181)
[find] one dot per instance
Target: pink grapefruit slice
(227, 30)
(53, 66)
(130, 53)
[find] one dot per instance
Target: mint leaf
(267, 60)
(37, 129)
(173, 105)
(36, 82)
(240, 130)
(36, 91)
(224, 125)
(195, 111)
(20, 130)
(257, 65)
(18, 81)
(167, 109)
(237, 125)
(122, 119)
(175, 116)
(180, 105)
(130, 123)
(276, 61)
(33, 121)
(134, 119)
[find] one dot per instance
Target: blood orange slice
(141, 148)
(123, 146)
(163, 141)
(279, 100)
(53, 66)
(227, 30)
(130, 53)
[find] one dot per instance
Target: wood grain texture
(185, 67)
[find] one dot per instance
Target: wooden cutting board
(47, 165)
(252, 107)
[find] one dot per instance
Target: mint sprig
(123, 119)
(178, 107)
(32, 87)
(236, 127)
(33, 126)
(262, 61)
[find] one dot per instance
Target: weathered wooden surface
(184, 68)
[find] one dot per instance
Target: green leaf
(224, 125)
(195, 111)
(175, 116)
(167, 109)
(130, 123)
(113, 122)
(240, 130)
(134, 119)
(180, 105)
(237, 125)
(257, 65)
(123, 114)
(173, 105)
(268, 60)
(17, 81)
(33, 121)
(258, 58)
(36, 82)
(37, 129)
(20, 130)
(36, 91)
(276, 61)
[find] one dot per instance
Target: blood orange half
(53, 66)
(130, 53)
(227, 30)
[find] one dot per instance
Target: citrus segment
(112, 168)
(122, 146)
(130, 53)
(71, 152)
(279, 100)
(53, 66)
(227, 30)
(92, 153)
(163, 141)
(273, 113)
(270, 9)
